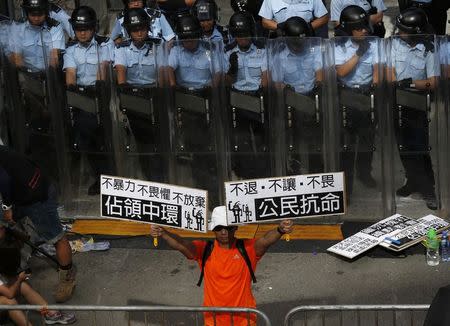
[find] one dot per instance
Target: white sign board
(414, 234)
(257, 200)
(151, 202)
(372, 236)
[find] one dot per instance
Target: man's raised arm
(174, 241)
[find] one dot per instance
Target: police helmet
(135, 18)
(296, 27)
(188, 28)
(412, 21)
(242, 24)
(354, 18)
(204, 10)
(35, 6)
(244, 5)
(83, 17)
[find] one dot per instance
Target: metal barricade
(143, 315)
(350, 315)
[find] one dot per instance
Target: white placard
(372, 236)
(257, 200)
(152, 202)
(406, 238)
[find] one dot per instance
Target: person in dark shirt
(25, 191)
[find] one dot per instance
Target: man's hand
(286, 226)
(363, 47)
(156, 231)
(23, 276)
(8, 216)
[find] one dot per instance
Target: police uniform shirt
(194, 69)
(413, 62)
(251, 64)
(31, 41)
(4, 37)
(362, 74)
(160, 29)
(281, 10)
(86, 60)
(141, 64)
(297, 70)
(58, 14)
(336, 6)
(445, 54)
(215, 36)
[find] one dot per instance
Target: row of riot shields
(375, 109)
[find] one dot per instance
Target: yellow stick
(155, 242)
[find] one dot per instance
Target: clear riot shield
(413, 70)
(144, 139)
(5, 123)
(36, 80)
(296, 105)
(194, 70)
(246, 98)
(356, 115)
(444, 100)
(90, 126)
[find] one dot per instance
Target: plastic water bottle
(444, 247)
(432, 244)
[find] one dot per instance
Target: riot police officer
(276, 12)
(206, 13)
(374, 8)
(357, 65)
(36, 44)
(193, 70)
(246, 67)
(298, 71)
(26, 46)
(414, 73)
(85, 63)
(137, 75)
(160, 28)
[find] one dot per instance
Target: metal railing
(144, 315)
(361, 315)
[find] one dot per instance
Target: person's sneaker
(94, 189)
(405, 190)
(367, 180)
(65, 285)
(59, 317)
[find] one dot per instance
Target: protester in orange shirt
(227, 274)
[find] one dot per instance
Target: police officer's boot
(65, 285)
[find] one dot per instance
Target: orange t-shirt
(227, 281)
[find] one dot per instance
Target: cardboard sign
(252, 201)
(414, 234)
(372, 236)
(151, 202)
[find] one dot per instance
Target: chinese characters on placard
(154, 203)
(276, 198)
